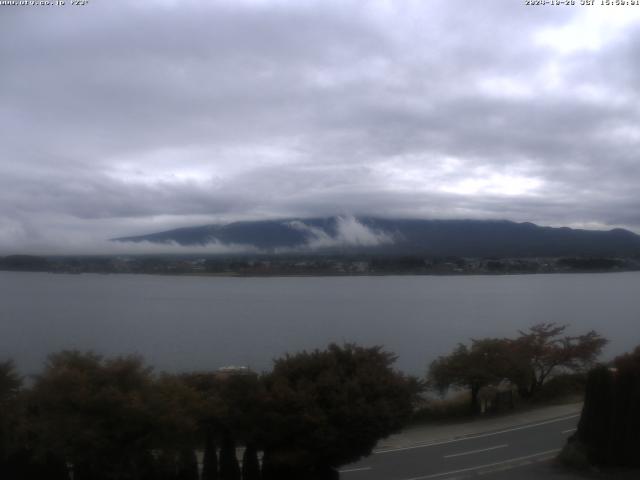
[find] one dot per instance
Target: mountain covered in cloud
(346, 234)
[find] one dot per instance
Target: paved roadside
(552, 470)
(436, 432)
(425, 440)
(481, 447)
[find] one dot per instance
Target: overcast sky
(129, 117)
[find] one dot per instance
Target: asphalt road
(489, 454)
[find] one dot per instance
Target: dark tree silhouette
(542, 350)
(483, 363)
(95, 413)
(250, 463)
(10, 384)
(24, 465)
(113, 419)
(609, 428)
(527, 361)
(166, 466)
(210, 459)
(595, 422)
(229, 468)
(327, 408)
(187, 465)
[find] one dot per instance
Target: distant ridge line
(375, 235)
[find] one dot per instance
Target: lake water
(185, 323)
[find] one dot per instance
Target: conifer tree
(187, 465)
(250, 463)
(210, 459)
(229, 468)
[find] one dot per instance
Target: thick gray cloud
(127, 117)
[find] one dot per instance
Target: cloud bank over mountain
(349, 232)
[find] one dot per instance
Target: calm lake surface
(184, 323)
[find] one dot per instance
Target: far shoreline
(325, 275)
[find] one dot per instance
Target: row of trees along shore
(526, 362)
(87, 417)
(92, 418)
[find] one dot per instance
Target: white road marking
(488, 465)
(569, 430)
(349, 470)
(473, 437)
(471, 452)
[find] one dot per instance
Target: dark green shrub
(609, 427)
